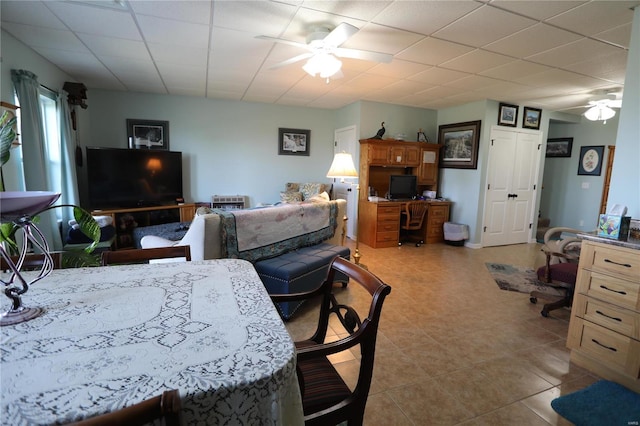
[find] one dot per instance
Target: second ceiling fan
(323, 50)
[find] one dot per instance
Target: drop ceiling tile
(187, 91)
(96, 20)
(370, 82)
(619, 35)
(595, 16)
(573, 52)
(29, 13)
(473, 81)
(196, 12)
(173, 33)
(441, 92)
(535, 39)
(128, 65)
(45, 37)
(305, 21)
(398, 69)
(184, 77)
(533, 8)
(560, 80)
(477, 61)
(364, 10)
(607, 67)
(515, 70)
(432, 51)
(438, 76)
(483, 26)
(110, 46)
(423, 17)
(403, 88)
(256, 17)
(185, 55)
(228, 94)
(137, 81)
(378, 38)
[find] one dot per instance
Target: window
(52, 149)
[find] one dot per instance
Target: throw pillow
(290, 197)
(311, 188)
(323, 197)
(292, 187)
(203, 210)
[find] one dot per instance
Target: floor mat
(602, 403)
(520, 279)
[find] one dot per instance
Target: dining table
(113, 336)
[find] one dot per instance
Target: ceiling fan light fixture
(599, 112)
(324, 64)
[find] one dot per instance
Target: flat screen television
(126, 178)
(402, 187)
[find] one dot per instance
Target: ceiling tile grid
(551, 54)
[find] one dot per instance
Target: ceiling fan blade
(291, 61)
(340, 34)
(363, 54)
(616, 103)
(283, 41)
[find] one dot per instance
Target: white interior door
(514, 158)
(346, 141)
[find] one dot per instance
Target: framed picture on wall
(531, 118)
(590, 161)
(148, 134)
(559, 147)
(293, 141)
(460, 141)
(508, 115)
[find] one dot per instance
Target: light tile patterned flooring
(454, 349)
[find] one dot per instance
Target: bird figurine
(380, 132)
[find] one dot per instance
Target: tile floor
(454, 349)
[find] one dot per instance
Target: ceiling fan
(601, 106)
(323, 50)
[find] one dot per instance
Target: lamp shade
(342, 167)
(599, 112)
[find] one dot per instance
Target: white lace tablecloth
(114, 336)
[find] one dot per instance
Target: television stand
(127, 219)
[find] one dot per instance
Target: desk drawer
(387, 227)
(390, 236)
(621, 320)
(615, 290)
(611, 260)
(389, 211)
(618, 352)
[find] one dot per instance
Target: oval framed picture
(590, 161)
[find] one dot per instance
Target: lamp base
(21, 315)
(356, 259)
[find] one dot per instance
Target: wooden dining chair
(166, 407)
(33, 261)
(411, 222)
(326, 398)
(145, 255)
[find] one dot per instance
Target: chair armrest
(549, 253)
(153, 241)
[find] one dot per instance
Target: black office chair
(411, 222)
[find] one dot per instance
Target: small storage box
(455, 233)
(614, 226)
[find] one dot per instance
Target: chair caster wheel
(544, 313)
(399, 244)
(418, 244)
(533, 300)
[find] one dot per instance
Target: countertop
(630, 243)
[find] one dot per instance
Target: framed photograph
(148, 134)
(460, 145)
(293, 141)
(531, 118)
(559, 147)
(508, 115)
(590, 161)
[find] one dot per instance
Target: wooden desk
(379, 224)
(113, 336)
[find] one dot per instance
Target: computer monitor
(402, 187)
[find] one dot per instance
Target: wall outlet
(585, 185)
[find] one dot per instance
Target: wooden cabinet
(391, 153)
(437, 215)
(604, 332)
(428, 167)
(125, 220)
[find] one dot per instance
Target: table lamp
(342, 167)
